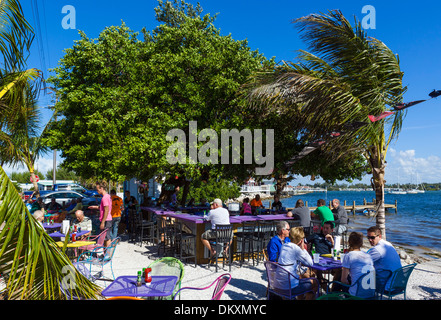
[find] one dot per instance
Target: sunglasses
(372, 237)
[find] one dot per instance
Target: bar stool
(222, 242)
(266, 230)
(185, 242)
(144, 225)
(293, 223)
(166, 233)
(246, 239)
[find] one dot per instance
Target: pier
(365, 206)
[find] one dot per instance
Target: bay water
(417, 222)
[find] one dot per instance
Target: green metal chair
(168, 266)
(370, 293)
(398, 282)
(339, 296)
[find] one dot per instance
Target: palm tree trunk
(34, 182)
(378, 186)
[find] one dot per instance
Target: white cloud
(405, 166)
(43, 164)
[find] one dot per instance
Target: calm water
(417, 222)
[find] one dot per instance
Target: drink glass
(342, 255)
(316, 257)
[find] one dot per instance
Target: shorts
(304, 285)
(108, 227)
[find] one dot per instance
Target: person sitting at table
(323, 241)
(277, 205)
(37, 205)
(39, 216)
(217, 215)
(59, 217)
(302, 213)
(246, 208)
(83, 222)
(275, 244)
(340, 216)
(383, 254)
(256, 203)
(355, 264)
(53, 205)
(291, 255)
(78, 206)
(322, 212)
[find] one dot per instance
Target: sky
(409, 28)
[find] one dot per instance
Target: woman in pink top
(246, 208)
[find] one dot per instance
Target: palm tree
(345, 77)
(29, 258)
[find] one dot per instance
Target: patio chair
(99, 242)
(266, 230)
(69, 292)
(279, 281)
(186, 243)
(222, 243)
(221, 283)
(168, 266)
(398, 282)
(361, 292)
(144, 229)
(100, 256)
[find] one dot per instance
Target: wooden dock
(361, 207)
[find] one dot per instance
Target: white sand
(248, 282)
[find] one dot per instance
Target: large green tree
(345, 77)
(119, 95)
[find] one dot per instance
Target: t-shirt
(341, 214)
(106, 201)
(291, 255)
(359, 263)
(246, 208)
(256, 203)
(274, 246)
(324, 213)
(218, 216)
(321, 244)
(86, 224)
(117, 202)
(385, 257)
(303, 214)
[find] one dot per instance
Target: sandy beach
(249, 282)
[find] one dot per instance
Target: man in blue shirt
(275, 244)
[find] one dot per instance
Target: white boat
(398, 191)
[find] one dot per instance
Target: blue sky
(411, 29)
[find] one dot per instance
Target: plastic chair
(382, 277)
(339, 296)
(100, 256)
(278, 275)
(222, 242)
(221, 283)
(370, 293)
(168, 266)
(99, 241)
(398, 282)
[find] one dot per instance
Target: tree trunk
(378, 182)
(280, 185)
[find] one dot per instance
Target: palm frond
(30, 259)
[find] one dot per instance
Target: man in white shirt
(383, 254)
(217, 215)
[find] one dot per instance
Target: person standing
(117, 205)
(275, 244)
(105, 208)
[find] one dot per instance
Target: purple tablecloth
(51, 226)
(58, 234)
(327, 264)
(161, 286)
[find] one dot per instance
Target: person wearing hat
(217, 215)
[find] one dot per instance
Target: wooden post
(396, 206)
(345, 203)
(353, 208)
(306, 203)
(364, 201)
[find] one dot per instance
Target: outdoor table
(58, 234)
(161, 286)
(49, 226)
(326, 264)
(75, 244)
